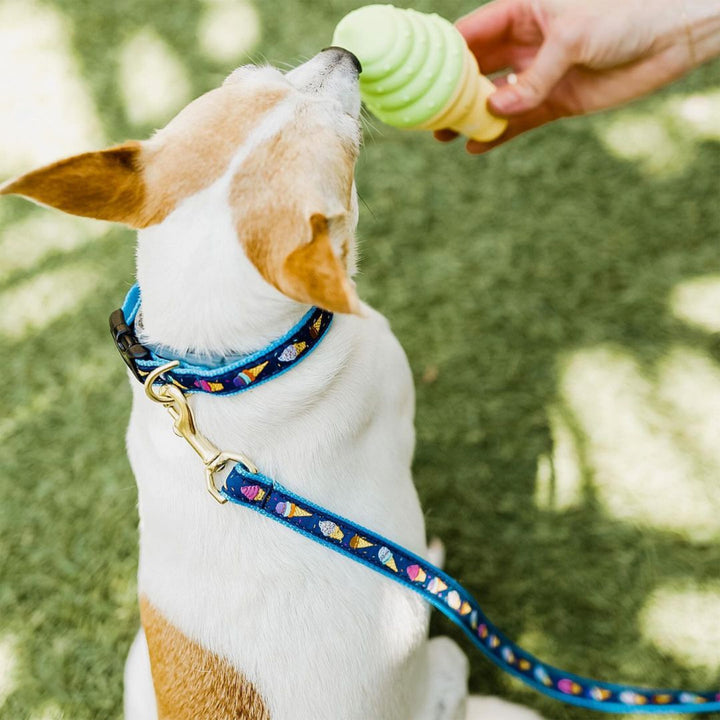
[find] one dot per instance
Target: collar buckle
(126, 342)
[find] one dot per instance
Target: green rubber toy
(418, 72)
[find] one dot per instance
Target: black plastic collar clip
(127, 343)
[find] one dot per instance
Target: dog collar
(226, 379)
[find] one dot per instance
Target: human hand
(572, 57)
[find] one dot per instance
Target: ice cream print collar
(224, 379)
(168, 382)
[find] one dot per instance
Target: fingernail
(505, 100)
(476, 148)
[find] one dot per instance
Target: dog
(246, 209)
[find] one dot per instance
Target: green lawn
(557, 300)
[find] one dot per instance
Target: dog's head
(280, 150)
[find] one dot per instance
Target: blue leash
(244, 486)
(271, 499)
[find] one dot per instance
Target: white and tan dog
(246, 210)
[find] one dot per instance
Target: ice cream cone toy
(418, 72)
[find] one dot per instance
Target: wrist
(702, 29)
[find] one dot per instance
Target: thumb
(534, 84)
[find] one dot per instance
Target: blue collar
(226, 379)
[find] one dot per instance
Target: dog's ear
(312, 273)
(107, 185)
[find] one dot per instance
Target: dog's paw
(436, 552)
(490, 708)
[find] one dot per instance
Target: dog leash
(167, 382)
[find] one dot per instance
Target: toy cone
(418, 72)
(466, 112)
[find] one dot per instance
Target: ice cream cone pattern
(628, 697)
(210, 387)
(331, 530)
(541, 675)
(418, 71)
(387, 558)
(569, 687)
(436, 585)
(291, 352)
(453, 600)
(253, 492)
(250, 375)
(599, 694)
(315, 328)
(416, 573)
(288, 509)
(358, 543)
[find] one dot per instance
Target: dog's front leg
(491, 708)
(447, 698)
(140, 701)
(446, 682)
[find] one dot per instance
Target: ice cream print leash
(254, 490)
(246, 486)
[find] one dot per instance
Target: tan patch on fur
(191, 682)
(196, 147)
(140, 184)
(285, 233)
(106, 185)
(313, 274)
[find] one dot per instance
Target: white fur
(140, 701)
(319, 636)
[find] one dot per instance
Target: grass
(567, 409)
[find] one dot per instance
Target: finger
(517, 126)
(488, 25)
(535, 83)
(492, 60)
(445, 135)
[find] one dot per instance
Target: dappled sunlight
(93, 371)
(664, 139)
(15, 420)
(153, 80)
(28, 242)
(689, 383)
(647, 140)
(697, 302)
(47, 111)
(8, 666)
(50, 711)
(558, 484)
(699, 113)
(640, 466)
(229, 30)
(34, 304)
(685, 623)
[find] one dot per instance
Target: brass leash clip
(175, 402)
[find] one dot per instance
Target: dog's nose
(342, 52)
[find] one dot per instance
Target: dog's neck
(213, 304)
